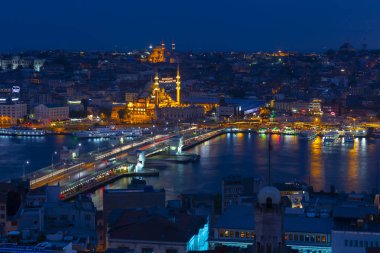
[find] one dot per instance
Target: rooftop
(179, 228)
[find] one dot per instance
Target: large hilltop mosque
(160, 54)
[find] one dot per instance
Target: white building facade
(51, 112)
(10, 113)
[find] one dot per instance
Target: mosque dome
(269, 192)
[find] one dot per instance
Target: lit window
(253, 235)
(242, 235)
(226, 233)
(323, 238)
(286, 237)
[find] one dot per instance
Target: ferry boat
(18, 131)
(331, 137)
(289, 131)
(308, 134)
(262, 131)
(348, 137)
(360, 132)
(275, 130)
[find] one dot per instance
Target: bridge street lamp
(23, 170)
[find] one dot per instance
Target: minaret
(178, 85)
(156, 88)
(173, 46)
(162, 45)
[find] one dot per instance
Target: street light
(79, 146)
(23, 170)
(52, 159)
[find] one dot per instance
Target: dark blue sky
(193, 24)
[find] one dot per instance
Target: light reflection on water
(349, 167)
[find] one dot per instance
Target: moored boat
(19, 131)
(308, 134)
(348, 137)
(289, 131)
(331, 137)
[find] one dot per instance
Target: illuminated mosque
(160, 54)
(157, 102)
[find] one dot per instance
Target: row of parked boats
(330, 136)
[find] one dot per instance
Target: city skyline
(198, 26)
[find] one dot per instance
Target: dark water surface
(350, 167)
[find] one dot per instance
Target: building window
(351, 243)
(361, 244)
(231, 233)
(346, 243)
(290, 237)
(226, 233)
(302, 238)
(286, 237)
(318, 238)
(323, 238)
(242, 234)
(252, 235)
(247, 234)
(237, 234)
(296, 237)
(356, 243)
(146, 250)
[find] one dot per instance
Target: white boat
(348, 137)
(331, 137)
(308, 134)
(360, 132)
(289, 131)
(16, 131)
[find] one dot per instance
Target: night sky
(251, 25)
